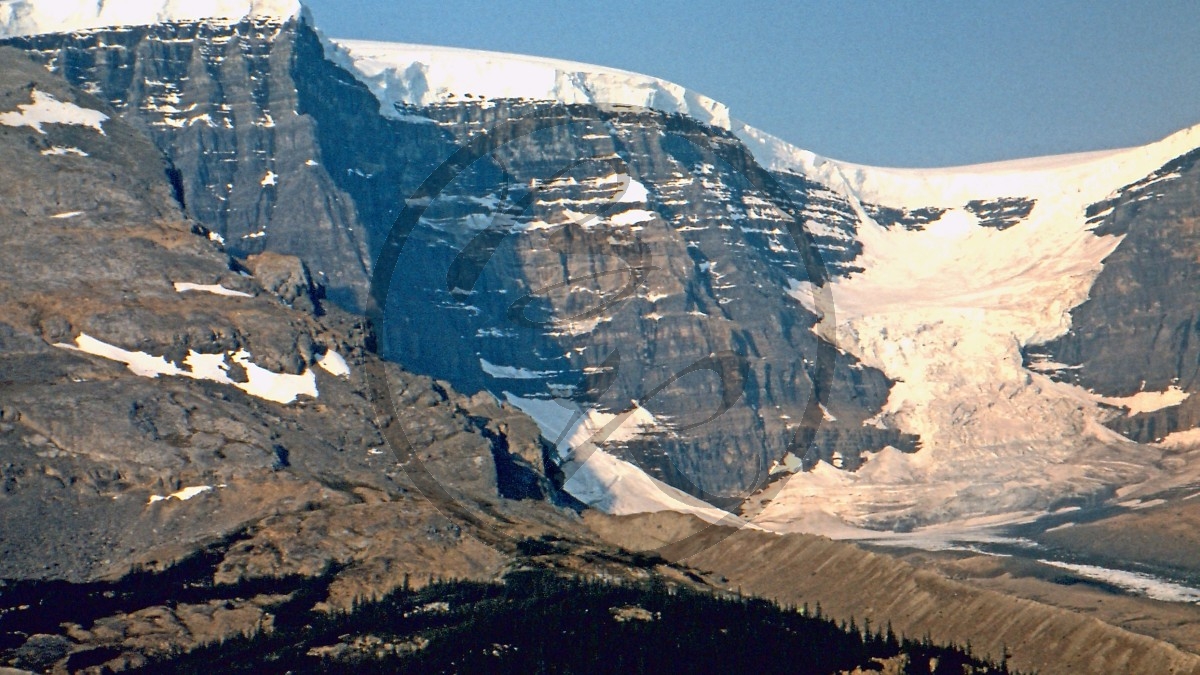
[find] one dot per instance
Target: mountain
(145, 371)
(250, 262)
(192, 440)
(919, 347)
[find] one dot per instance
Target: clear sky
(885, 83)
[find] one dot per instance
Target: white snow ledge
(33, 17)
(215, 289)
(182, 495)
(421, 75)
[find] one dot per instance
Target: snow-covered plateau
(30, 17)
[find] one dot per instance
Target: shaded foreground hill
(536, 621)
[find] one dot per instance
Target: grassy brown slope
(850, 581)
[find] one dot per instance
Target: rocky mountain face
(1136, 333)
(190, 440)
(220, 101)
(161, 396)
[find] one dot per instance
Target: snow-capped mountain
(980, 343)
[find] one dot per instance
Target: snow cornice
(20, 18)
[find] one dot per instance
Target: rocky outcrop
(1138, 330)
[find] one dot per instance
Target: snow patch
(1141, 584)
(46, 109)
(67, 214)
(1147, 401)
(511, 372)
(139, 363)
(633, 192)
(599, 479)
(632, 217)
(262, 383)
(277, 387)
(215, 289)
(182, 495)
(1181, 439)
(59, 151)
(334, 364)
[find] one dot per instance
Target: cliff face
(193, 445)
(220, 101)
(1137, 331)
(649, 252)
(161, 396)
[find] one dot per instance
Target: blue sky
(885, 83)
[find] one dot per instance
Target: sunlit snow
(418, 75)
(632, 217)
(215, 289)
(33, 17)
(633, 192)
(1182, 439)
(1147, 401)
(262, 383)
(139, 363)
(599, 479)
(334, 364)
(945, 313)
(1142, 584)
(182, 495)
(59, 151)
(45, 109)
(278, 387)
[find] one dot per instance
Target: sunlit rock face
(1136, 332)
(938, 345)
